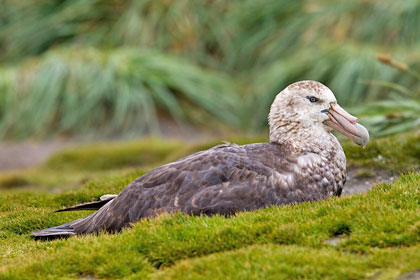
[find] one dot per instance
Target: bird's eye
(312, 98)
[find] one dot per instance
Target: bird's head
(311, 106)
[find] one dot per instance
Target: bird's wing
(93, 205)
(224, 179)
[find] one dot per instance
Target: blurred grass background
(107, 67)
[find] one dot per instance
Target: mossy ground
(377, 234)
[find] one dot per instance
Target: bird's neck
(302, 139)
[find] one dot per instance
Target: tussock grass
(87, 91)
(400, 113)
(78, 67)
(239, 33)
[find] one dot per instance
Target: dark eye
(312, 98)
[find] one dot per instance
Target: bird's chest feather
(312, 176)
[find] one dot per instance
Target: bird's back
(222, 180)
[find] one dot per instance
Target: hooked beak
(347, 125)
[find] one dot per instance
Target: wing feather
(222, 180)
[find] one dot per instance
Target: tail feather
(83, 225)
(94, 205)
(62, 231)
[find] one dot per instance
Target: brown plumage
(302, 162)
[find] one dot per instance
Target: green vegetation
(376, 234)
(74, 90)
(381, 240)
(401, 112)
(106, 156)
(105, 67)
(393, 154)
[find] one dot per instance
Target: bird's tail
(62, 231)
(73, 227)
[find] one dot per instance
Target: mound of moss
(113, 155)
(395, 154)
(377, 235)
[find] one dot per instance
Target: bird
(302, 162)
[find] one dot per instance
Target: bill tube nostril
(346, 124)
(337, 108)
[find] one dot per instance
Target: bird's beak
(347, 125)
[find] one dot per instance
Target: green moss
(395, 154)
(271, 262)
(105, 156)
(381, 229)
(296, 262)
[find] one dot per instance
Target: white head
(309, 109)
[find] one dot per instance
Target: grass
(377, 234)
(106, 156)
(382, 240)
(400, 113)
(77, 91)
(104, 67)
(394, 154)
